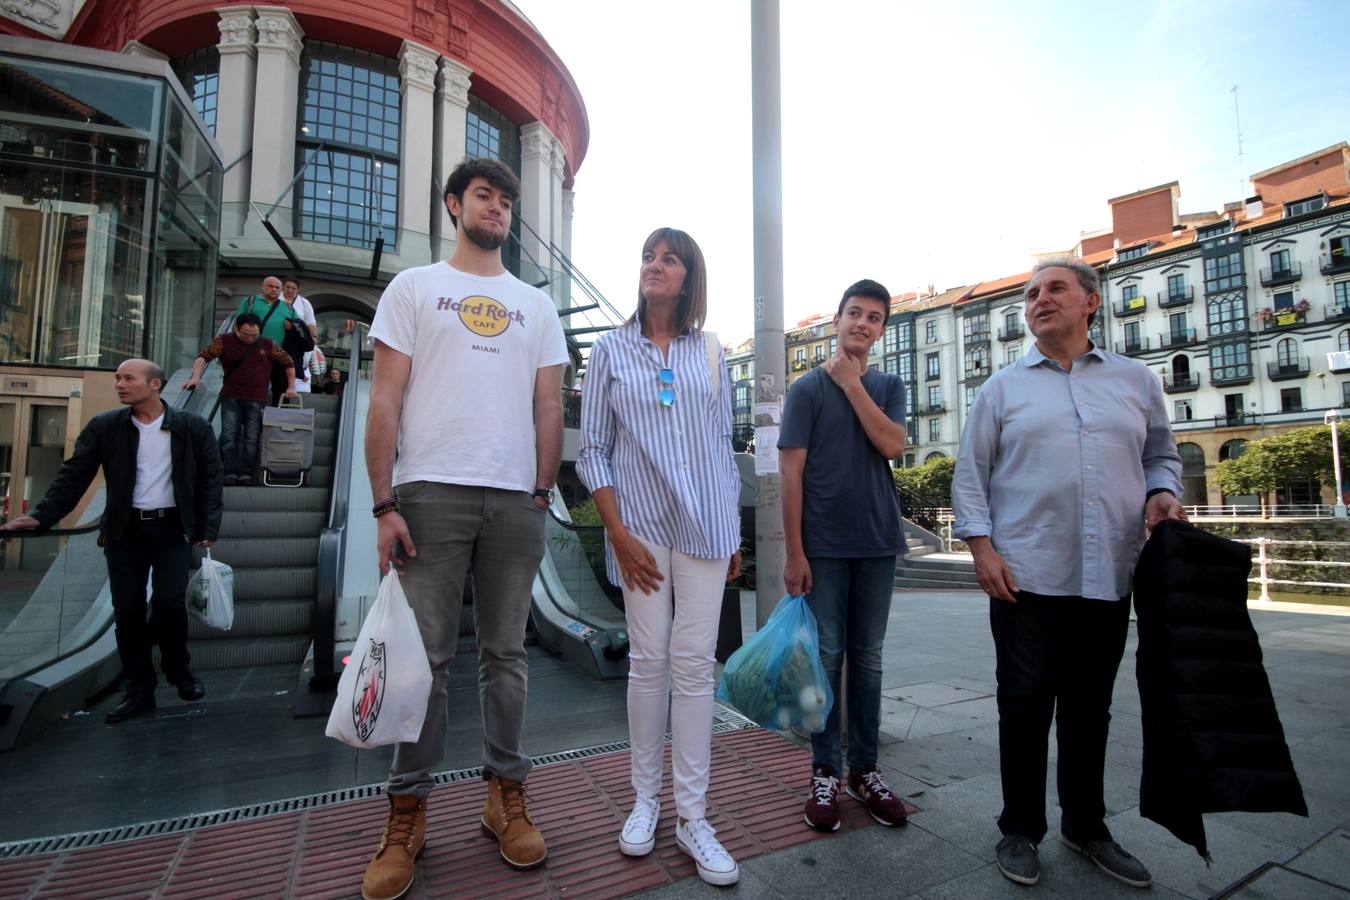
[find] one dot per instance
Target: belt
(145, 514)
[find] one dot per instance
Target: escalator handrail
(53, 532)
(573, 526)
(329, 562)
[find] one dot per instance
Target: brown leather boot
(390, 872)
(506, 819)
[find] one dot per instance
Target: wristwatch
(545, 493)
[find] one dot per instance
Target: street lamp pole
(1333, 418)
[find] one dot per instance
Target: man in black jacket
(164, 493)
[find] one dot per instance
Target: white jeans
(671, 657)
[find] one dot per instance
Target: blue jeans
(240, 425)
(851, 600)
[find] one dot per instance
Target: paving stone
(1328, 859)
(932, 693)
(1073, 882)
(1281, 884)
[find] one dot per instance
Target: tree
(1267, 463)
(933, 479)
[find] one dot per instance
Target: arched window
(1194, 488)
(1232, 449)
(934, 455)
(1181, 368)
(1287, 352)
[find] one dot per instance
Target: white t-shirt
(154, 467)
(303, 309)
(476, 345)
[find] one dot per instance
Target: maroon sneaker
(822, 801)
(869, 789)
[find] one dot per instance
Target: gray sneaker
(1112, 859)
(1018, 859)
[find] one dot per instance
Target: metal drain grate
(725, 720)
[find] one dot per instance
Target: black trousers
(149, 546)
(1057, 657)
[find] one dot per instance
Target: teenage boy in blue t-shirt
(842, 425)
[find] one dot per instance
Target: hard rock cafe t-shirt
(476, 344)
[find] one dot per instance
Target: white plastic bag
(382, 695)
(210, 594)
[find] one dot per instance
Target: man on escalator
(164, 485)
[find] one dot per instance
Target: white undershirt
(154, 467)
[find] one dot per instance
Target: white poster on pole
(766, 450)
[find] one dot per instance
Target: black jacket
(1212, 738)
(111, 440)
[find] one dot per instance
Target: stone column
(234, 110)
(536, 206)
(275, 99)
(417, 71)
(568, 201)
(454, 100)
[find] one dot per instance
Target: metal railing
(1167, 299)
(919, 508)
(1281, 274)
(1264, 561)
(1271, 511)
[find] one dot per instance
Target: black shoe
(1112, 859)
(189, 686)
(248, 481)
(132, 705)
(1018, 859)
(231, 480)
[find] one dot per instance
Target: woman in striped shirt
(656, 456)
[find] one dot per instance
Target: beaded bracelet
(387, 505)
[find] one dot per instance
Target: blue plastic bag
(776, 678)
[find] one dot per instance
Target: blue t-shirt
(849, 507)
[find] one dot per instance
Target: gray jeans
(500, 534)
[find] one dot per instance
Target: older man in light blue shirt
(1065, 457)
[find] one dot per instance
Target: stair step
(273, 582)
(321, 403)
(246, 524)
(959, 584)
(921, 550)
(323, 454)
(258, 651)
(243, 553)
(266, 499)
(288, 617)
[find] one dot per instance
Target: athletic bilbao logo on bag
(484, 316)
(369, 694)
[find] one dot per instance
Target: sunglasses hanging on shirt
(667, 393)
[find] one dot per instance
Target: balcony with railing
(1275, 319)
(1177, 337)
(1278, 275)
(1131, 347)
(1182, 297)
(1235, 420)
(1336, 310)
(977, 372)
(1131, 307)
(1181, 382)
(932, 409)
(800, 365)
(1011, 332)
(1334, 263)
(1241, 373)
(1288, 369)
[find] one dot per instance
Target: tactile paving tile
(755, 801)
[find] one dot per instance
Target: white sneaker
(639, 832)
(699, 840)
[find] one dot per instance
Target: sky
(927, 144)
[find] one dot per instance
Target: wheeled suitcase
(287, 443)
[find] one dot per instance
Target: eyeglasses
(667, 393)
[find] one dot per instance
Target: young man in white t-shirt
(462, 445)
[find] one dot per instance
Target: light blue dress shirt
(671, 467)
(1054, 468)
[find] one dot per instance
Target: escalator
(273, 538)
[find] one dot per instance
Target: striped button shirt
(671, 467)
